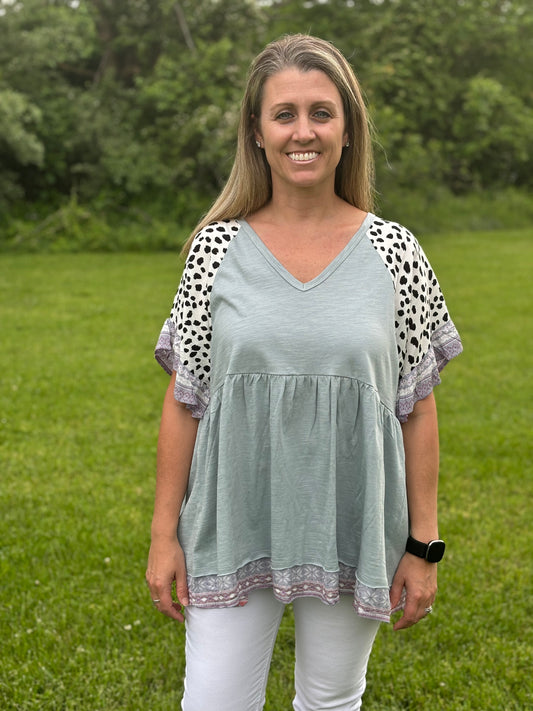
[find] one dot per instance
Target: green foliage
(500, 125)
(196, 100)
(448, 83)
(435, 209)
(103, 226)
(78, 433)
(76, 227)
(18, 143)
(125, 106)
(17, 117)
(138, 101)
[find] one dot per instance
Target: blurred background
(118, 117)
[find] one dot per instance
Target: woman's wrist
(424, 534)
(162, 531)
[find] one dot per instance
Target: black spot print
(420, 306)
(191, 310)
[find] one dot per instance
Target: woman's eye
(320, 115)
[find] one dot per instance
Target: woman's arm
(166, 562)
(421, 444)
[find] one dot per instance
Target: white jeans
(228, 653)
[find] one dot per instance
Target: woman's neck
(301, 208)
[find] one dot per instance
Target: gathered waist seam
(350, 378)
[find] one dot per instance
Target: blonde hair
(249, 186)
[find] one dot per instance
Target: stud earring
(347, 144)
(258, 144)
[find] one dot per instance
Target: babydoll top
(298, 477)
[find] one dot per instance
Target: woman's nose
(303, 131)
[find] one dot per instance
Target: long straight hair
(249, 186)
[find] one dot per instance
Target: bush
(164, 224)
(438, 210)
(100, 227)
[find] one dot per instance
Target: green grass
(80, 398)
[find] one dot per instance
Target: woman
(299, 430)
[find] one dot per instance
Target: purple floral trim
(188, 389)
(419, 383)
(213, 591)
(447, 344)
(164, 352)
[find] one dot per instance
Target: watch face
(435, 551)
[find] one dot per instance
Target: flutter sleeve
(425, 334)
(184, 341)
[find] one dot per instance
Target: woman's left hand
(419, 578)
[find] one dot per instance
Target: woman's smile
(303, 157)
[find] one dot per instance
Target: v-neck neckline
(328, 269)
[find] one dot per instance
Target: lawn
(80, 400)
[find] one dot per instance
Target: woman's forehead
(293, 85)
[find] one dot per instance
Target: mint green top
(298, 478)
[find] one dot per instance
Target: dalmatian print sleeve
(184, 341)
(426, 337)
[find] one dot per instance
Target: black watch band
(432, 551)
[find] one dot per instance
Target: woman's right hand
(166, 565)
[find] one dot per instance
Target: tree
(425, 64)
(19, 146)
(137, 100)
(135, 97)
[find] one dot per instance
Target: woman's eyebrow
(290, 104)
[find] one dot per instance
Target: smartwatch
(432, 551)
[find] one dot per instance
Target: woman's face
(302, 129)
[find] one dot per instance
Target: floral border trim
(215, 591)
(188, 389)
(419, 383)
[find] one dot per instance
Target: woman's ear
(257, 134)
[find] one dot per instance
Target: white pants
(228, 653)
